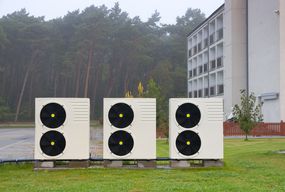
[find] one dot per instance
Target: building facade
(205, 58)
(240, 46)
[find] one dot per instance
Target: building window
(200, 93)
(190, 74)
(206, 43)
(190, 52)
(220, 34)
(206, 92)
(219, 62)
(200, 69)
(199, 47)
(195, 50)
(205, 67)
(195, 94)
(212, 64)
(194, 72)
(190, 94)
(212, 91)
(220, 89)
(212, 39)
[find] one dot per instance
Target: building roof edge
(207, 19)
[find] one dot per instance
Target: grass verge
(93, 123)
(249, 166)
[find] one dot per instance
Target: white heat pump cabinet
(196, 128)
(62, 128)
(129, 128)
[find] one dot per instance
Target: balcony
(220, 89)
(212, 65)
(212, 91)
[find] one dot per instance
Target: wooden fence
(262, 129)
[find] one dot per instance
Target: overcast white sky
(168, 9)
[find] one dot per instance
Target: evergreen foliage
(96, 53)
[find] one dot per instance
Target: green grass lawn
(249, 166)
(17, 125)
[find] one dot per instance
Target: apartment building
(240, 46)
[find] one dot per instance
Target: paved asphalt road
(18, 143)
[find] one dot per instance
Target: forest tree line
(98, 52)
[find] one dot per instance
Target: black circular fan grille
(188, 115)
(121, 143)
(53, 115)
(121, 115)
(52, 143)
(188, 143)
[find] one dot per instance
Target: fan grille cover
(188, 115)
(121, 143)
(121, 115)
(53, 115)
(188, 143)
(52, 143)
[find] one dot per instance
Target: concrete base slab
(113, 164)
(179, 164)
(45, 164)
(146, 164)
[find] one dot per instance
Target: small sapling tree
(248, 113)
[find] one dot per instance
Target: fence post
(282, 127)
(226, 128)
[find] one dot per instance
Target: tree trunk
(31, 103)
(110, 87)
(23, 88)
(90, 58)
(55, 87)
(126, 82)
(98, 78)
(3, 82)
(112, 78)
(77, 81)
(78, 75)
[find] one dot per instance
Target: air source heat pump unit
(129, 128)
(62, 128)
(196, 128)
